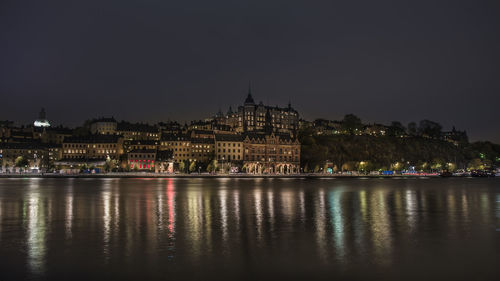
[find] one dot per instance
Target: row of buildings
(254, 139)
(324, 127)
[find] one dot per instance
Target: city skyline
(213, 117)
(249, 140)
(152, 61)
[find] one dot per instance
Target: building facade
(141, 144)
(131, 131)
(229, 147)
(103, 126)
(202, 149)
(271, 153)
(252, 117)
(179, 144)
(142, 160)
(93, 147)
(27, 156)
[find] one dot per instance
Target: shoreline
(247, 176)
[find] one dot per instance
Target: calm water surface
(249, 229)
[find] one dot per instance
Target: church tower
(249, 111)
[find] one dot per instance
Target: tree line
(421, 146)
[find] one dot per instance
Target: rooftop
(92, 139)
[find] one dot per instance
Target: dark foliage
(380, 152)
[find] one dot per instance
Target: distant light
(42, 123)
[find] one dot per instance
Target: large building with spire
(252, 116)
(268, 134)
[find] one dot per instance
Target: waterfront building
(142, 159)
(179, 144)
(271, 153)
(92, 152)
(197, 145)
(100, 147)
(229, 147)
(202, 149)
(27, 156)
(54, 153)
(164, 161)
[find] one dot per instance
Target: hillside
(365, 152)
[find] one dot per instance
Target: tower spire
(249, 100)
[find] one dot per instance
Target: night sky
(181, 60)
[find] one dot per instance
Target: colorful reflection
(337, 220)
(169, 222)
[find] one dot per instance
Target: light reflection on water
(178, 225)
(336, 218)
(36, 228)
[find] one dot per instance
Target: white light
(42, 123)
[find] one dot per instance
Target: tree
(430, 129)
(437, 164)
(325, 167)
(412, 129)
(363, 166)
(396, 129)
(84, 167)
(316, 168)
(306, 168)
(107, 165)
(476, 164)
(21, 162)
(348, 166)
(351, 124)
(192, 166)
(212, 166)
(382, 152)
(182, 167)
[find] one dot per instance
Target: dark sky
(151, 60)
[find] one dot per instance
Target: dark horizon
(152, 61)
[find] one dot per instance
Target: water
(249, 229)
